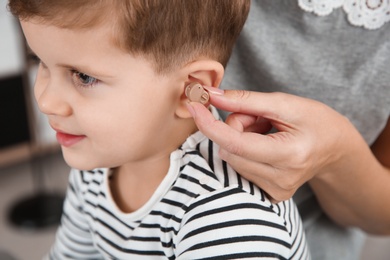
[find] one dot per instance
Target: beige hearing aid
(196, 93)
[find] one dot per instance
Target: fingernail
(191, 109)
(214, 90)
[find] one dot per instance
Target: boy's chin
(80, 162)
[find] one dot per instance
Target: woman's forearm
(358, 193)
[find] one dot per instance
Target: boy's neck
(133, 183)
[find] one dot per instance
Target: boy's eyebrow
(85, 69)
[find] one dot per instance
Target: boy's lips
(66, 139)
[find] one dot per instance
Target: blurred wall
(11, 57)
(21, 123)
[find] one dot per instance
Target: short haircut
(169, 33)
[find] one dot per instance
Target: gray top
(283, 48)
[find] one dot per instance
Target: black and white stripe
(202, 210)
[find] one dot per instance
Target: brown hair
(170, 33)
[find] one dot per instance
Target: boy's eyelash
(83, 80)
(32, 58)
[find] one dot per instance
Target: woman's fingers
(253, 146)
(272, 106)
(304, 141)
(248, 123)
(277, 183)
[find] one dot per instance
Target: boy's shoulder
(209, 179)
(219, 203)
(202, 165)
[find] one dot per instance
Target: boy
(112, 82)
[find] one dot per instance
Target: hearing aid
(196, 93)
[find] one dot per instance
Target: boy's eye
(83, 80)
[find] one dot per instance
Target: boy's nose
(51, 104)
(50, 100)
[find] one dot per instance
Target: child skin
(106, 104)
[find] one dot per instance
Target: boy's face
(108, 107)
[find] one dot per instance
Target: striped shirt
(202, 210)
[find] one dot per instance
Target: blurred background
(33, 174)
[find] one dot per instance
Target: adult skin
(349, 178)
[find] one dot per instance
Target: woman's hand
(312, 143)
(311, 138)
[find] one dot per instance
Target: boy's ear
(206, 72)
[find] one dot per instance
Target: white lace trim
(370, 14)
